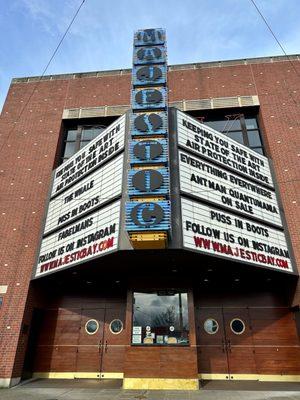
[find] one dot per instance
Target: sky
(102, 34)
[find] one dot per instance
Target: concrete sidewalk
(111, 390)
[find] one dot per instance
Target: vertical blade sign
(148, 208)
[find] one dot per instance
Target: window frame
(185, 291)
(78, 141)
(228, 115)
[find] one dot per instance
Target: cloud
(37, 8)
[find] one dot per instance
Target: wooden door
(224, 343)
(239, 342)
(114, 341)
(90, 341)
(211, 343)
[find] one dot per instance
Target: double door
(224, 343)
(101, 343)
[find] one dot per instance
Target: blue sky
(101, 37)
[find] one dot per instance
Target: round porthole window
(92, 326)
(237, 326)
(211, 326)
(116, 326)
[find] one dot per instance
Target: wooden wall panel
(278, 360)
(241, 360)
(55, 359)
(245, 297)
(161, 362)
(47, 327)
(113, 358)
(66, 330)
(212, 360)
(43, 358)
(87, 359)
(179, 363)
(273, 327)
(141, 362)
(63, 359)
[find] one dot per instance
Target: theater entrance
(224, 343)
(101, 342)
(84, 342)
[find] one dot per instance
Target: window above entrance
(241, 127)
(77, 133)
(160, 318)
(77, 137)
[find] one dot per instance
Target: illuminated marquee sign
(148, 215)
(216, 147)
(206, 181)
(145, 99)
(148, 181)
(149, 54)
(86, 195)
(147, 151)
(149, 75)
(148, 178)
(105, 146)
(149, 36)
(91, 237)
(229, 205)
(216, 232)
(82, 221)
(149, 124)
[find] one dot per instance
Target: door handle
(99, 346)
(105, 346)
(223, 345)
(229, 346)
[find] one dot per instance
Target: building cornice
(177, 67)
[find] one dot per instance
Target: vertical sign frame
(148, 218)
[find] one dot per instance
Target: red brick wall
(28, 147)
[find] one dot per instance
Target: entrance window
(91, 327)
(116, 326)
(211, 326)
(237, 326)
(160, 318)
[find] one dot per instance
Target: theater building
(150, 222)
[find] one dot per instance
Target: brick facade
(29, 145)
